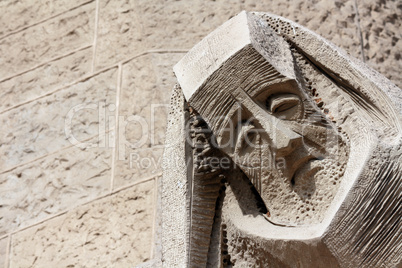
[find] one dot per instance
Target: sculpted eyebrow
(259, 89)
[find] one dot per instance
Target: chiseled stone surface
(38, 128)
(147, 83)
(119, 32)
(45, 79)
(24, 13)
(3, 251)
(381, 23)
(47, 40)
(188, 22)
(128, 28)
(139, 163)
(341, 153)
(115, 231)
(125, 29)
(146, 89)
(52, 184)
(334, 20)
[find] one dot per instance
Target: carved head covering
(249, 93)
(317, 135)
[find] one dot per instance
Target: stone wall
(85, 89)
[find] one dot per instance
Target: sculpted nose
(285, 140)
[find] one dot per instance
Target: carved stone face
(270, 95)
(288, 150)
(264, 120)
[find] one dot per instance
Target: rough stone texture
(119, 32)
(197, 19)
(115, 231)
(139, 163)
(146, 88)
(3, 251)
(39, 43)
(174, 216)
(339, 181)
(334, 20)
(22, 14)
(47, 40)
(381, 28)
(55, 74)
(52, 184)
(38, 127)
(130, 28)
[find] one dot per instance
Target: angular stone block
(41, 127)
(144, 100)
(115, 231)
(52, 184)
(20, 14)
(44, 79)
(47, 40)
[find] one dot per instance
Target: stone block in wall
(50, 39)
(147, 83)
(128, 28)
(115, 231)
(19, 14)
(137, 164)
(39, 127)
(53, 184)
(3, 251)
(381, 23)
(119, 32)
(45, 79)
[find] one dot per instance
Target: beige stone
(45, 45)
(312, 139)
(129, 28)
(38, 128)
(146, 87)
(23, 14)
(119, 32)
(147, 84)
(115, 231)
(47, 40)
(173, 228)
(381, 27)
(53, 184)
(45, 79)
(138, 164)
(333, 20)
(197, 18)
(3, 251)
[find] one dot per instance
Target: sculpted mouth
(300, 168)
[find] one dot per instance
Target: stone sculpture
(282, 151)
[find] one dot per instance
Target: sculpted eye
(282, 103)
